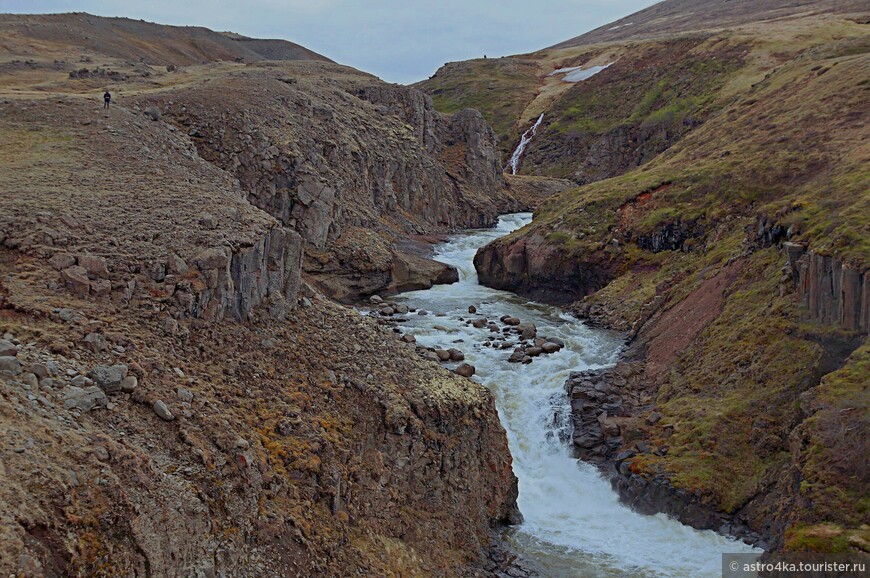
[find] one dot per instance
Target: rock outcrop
(833, 292)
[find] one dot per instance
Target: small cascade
(524, 142)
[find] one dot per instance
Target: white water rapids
(524, 142)
(574, 525)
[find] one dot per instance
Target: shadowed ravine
(574, 524)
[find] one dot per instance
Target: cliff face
(329, 152)
(735, 261)
(177, 401)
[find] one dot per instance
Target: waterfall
(524, 142)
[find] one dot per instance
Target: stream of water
(574, 524)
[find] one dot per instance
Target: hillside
(32, 35)
(179, 398)
(723, 226)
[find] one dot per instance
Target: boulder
(401, 309)
(550, 347)
(96, 342)
(472, 309)
(109, 377)
(533, 351)
(7, 348)
(76, 280)
(129, 383)
(653, 418)
(456, 355)
(527, 330)
(408, 338)
(10, 364)
(375, 300)
(479, 323)
(61, 261)
(442, 354)
(162, 411)
(84, 399)
(512, 321)
(94, 266)
(465, 370)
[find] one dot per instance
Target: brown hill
(137, 40)
(680, 16)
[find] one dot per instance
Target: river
(574, 524)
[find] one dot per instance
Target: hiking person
(107, 98)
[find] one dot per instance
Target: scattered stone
(493, 327)
(129, 383)
(625, 455)
(306, 303)
(62, 261)
(442, 354)
(642, 447)
(517, 356)
(95, 267)
(101, 453)
(456, 355)
(242, 444)
(7, 348)
(472, 309)
(527, 330)
(10, 364)
(175, 265)
(465, 370)
(550, 347)
(101, 287)
(422, 312)
(408, 338)
(653, 418)
(96, 342)
(84, 399)
(169, 326)
(557, 341)
(401, 309)
(534, 351)
(76, 280)
(512, 321)
(440, 328)
(376, 300)
(162, 411)
(29, 379)
(479, 323)
(81, 381)
(46, 383)
(387, 311)
(526, 360)
(109, 377)
(153, 113)
(41, 370)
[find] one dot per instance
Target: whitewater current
(574, 524)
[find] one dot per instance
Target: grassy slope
(498, 87)
(793, 148)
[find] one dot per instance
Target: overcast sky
(398, 40)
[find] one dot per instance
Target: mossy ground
(788, 145)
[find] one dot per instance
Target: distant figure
(107, 98)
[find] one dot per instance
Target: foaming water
(525, 139)
(574, 524)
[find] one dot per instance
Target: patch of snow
(583, 74)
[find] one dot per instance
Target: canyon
(210, 364)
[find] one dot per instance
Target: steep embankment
(343, 158)
(737, 261)
(666, 73)
(176, 400)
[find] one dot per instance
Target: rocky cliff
(177, 399)
(331, 152)
(735, 261)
